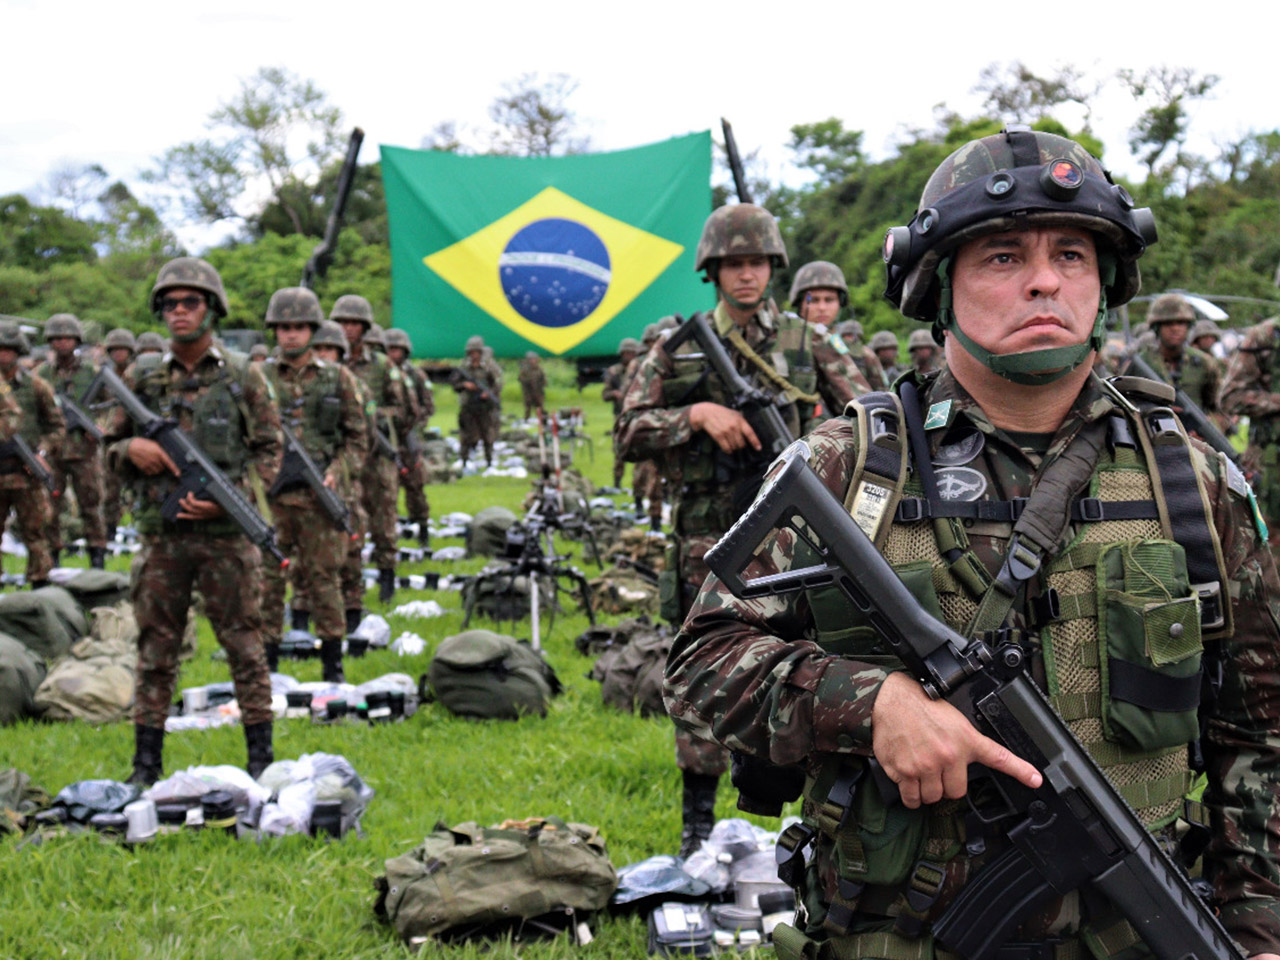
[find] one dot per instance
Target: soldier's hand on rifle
(42, 461)
(468, 385)
(728, 428)
(925, 746)
(149, 457)
(330, 482)
(192, 508)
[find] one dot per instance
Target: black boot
(301, 619)
(353, 620)
(655, 524)
(331, 661)
(699, 811)
(273, 656)
(386, 584)
(257, 736)
(147, 765)
(98, 558)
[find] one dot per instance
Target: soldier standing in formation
(676, 410)
(818, 294)
(1251, 388)
(383, 387)
(150, 342)
(320, 404)
(1205, 336)
(885, 346)
(1181, 365)
(80, 458)
(229, 409)
(923, 350)
(1019, 289)
(423, 398)
(533, 383)
(614, 388)
(479, 385)
(121, 346)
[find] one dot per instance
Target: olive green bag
(479, 673)
(468, 881)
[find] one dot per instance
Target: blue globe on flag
(554, 272)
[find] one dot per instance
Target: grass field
(206, 896)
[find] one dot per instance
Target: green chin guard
(1023, 367)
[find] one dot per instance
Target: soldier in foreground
(1018, 291)
(479, 385)
(80, 458)
(229, 409)
(418, 386)
(1251, 388)
(678, 411)
(533, 383)
(320, 404)
(28, 409)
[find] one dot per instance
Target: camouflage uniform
(615, 383)
(422, 399)
(112, 490)
(1252, 388)
(849, 335)
(647, 479)
(45, 430)
(480, 409)
(885, 340)
(1198, 373)
(919, 342)
(533, 383)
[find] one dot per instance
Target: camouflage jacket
(418, 385)
(614, 383)
(240, 433)
(752, 676)
(532, 379)
(330, 421)
(10, 423)
(487, 376)
(864, 358)
(1199, 374)
(1250, 387)
(384, 391)
(40, 423)
(71, 380)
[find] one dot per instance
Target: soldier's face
(397, 354)
(119, 355)
(293, 336)
(184, 310)
(820, 306)
(63, 346)
(745, 278)
(1172, 334)
(1027, 289)
(888, 356)
(331, 354)
(473, 357)
(353, 330)
(8, 358)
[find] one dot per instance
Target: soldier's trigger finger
(749, 434)
(998, 757)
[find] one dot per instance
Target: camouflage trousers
(478, 424)
(415, 497)
(86, 477)
(696, 755)
(30, 502)
(533, 400)
(646, 481)
(381, 484)
(227, 571)
(113, 494)
(316, 551)
(693, 753)
(351, 577)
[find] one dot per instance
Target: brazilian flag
(563, 255)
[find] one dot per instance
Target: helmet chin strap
(205, 326)
(295, 353)
(1031, 367)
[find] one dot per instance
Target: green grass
(206, 896)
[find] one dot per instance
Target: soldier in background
(228, 408)
(885, 346)
(533, 383)
(479, 385)
(120, 346)
(41, 424)
(677, 410)
(818, 294)
(648, 483)
(614, 387)
(418, 386)
(80, 458)
(924, 352)
(320, 404)
(150, 342)
(1205, 336)
(1251, 388)
(1179, 364)
(383, 387)
(258, 352)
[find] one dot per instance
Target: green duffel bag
(21, 671)
(487, 532)
(95, 681)
(468, 881)
(479, 673)
(47, 620)
(98, 588)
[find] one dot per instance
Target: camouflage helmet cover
(375, 336)
(474, 343)
(629, 345)
(149, 340)
(819, 274)
(920, 339)
(352, 306)
(1170, 308)
(294, 305)
(1012, 180)
(259, 351)
(883, 340)
(63, 325)
(399, 338)
(12, 337)
(740, 229)
(194, 273)
(329, 334)
(1205, 328)
(120, 338)
(850, 327)
(650, 335)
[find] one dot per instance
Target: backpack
(500, 595)
(98, 588)
(623, 589)
(21, 670)
(95, 681)
(466, 880)
(630, 669)
(487, 533)
(47, 620)
(484, 674)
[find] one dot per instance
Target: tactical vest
(314, 412)
(1122, 660)
(73, 385)
(792, 356)
(1265, 430)
(1191, 377)
(24, 391)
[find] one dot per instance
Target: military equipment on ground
(299, 470)
(735, 163)
(322, 256)
(200, 476)
(1076, 809)
(20, 449)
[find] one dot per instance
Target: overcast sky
(116, 84)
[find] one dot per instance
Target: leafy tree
(1016, 93)
(533, 118)
(828, 149)
(39, 237)
(1167, 91)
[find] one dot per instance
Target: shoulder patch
(939, 415)
(1236, 481)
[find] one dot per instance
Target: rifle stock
(1074, 830)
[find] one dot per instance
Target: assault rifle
(735, 163)
(1190, 413)
(387, 449)
(322, 256)
(77, 419)
(759, 407)
(1074, 830)
(298, 469)
(18, 447)
(199, 475)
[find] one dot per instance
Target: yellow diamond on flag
(554, 270)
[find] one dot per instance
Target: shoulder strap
(792, 392)
(881, 468)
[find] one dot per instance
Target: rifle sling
(792, 392)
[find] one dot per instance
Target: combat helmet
(294, 305)
(375, 337)
(149, 340)
(330, 334)
(475, 342)
(919, 339)
(11, 336)
(883, 340)
(851, 327)
(819, 274)
(352, 306)
(740, 229)
(629, 345)
(194, 273)
(1013, 180)
(399, 338)
(63, 325)
(120, 338)
(1205, 328)
(1170, 308)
